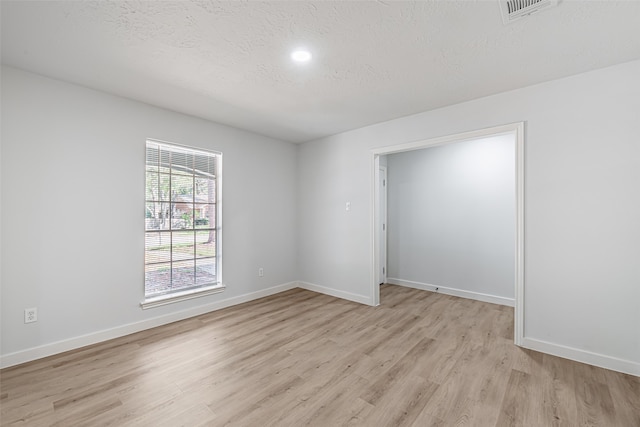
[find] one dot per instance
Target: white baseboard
(603, 361)
(595, 359)
(494, 299)
(39, 352)
(335, 293)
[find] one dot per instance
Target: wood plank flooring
(300, 358)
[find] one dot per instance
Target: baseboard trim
(595, 359)
(494, 299)
(335, 293)
(46, 350)
(583, 356)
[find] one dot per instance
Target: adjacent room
(451, 218)
(320, 213)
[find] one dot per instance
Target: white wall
(451, 216)
(61, 141)
(582, 204)
(73, 202)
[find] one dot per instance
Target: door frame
(517, 130)
(383, 224)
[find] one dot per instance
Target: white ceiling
(372, 61)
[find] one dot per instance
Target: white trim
(335, 293)
(494, 299)
(516, 129)
(518, 329)
(382, 218)
(458, 137)
(181, 296)
(11, 359)
(219, 228)
(583, 356)
(375, 243)
(45, 350)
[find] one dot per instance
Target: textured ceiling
(373, 61)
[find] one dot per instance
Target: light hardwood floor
(301, 358)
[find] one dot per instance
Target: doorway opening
(380, 226)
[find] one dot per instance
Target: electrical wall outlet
(260, 272)
(30, 315)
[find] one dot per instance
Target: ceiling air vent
(512, 10)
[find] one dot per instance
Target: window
(182, 223)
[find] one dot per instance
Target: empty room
(325, 213)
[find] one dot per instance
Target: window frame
(193, 292)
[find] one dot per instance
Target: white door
(383, 224)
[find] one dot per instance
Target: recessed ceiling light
(301, 55)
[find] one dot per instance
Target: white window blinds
(181, 228)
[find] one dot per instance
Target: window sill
(181, 296)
